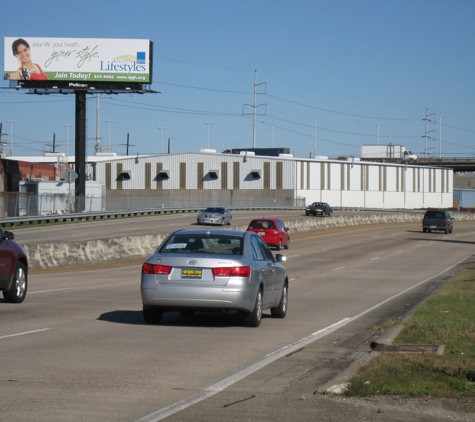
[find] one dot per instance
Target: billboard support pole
(80, 150)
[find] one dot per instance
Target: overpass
(464, 164)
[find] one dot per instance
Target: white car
(214, 270)
(215, 215)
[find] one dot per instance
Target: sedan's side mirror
(8, 235)
(280, 258)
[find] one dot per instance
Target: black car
(319, 208)
(440, 220)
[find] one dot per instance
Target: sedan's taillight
(232, 272)
(156, 269)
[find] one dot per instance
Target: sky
(332, 75)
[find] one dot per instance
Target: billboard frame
(80, 90)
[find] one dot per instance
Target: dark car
(319, 208)
(437, 220)
(272, 231)
(214, 270)
(13, 269)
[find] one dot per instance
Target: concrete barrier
(62, 254)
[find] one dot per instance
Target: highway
(149, 225)
(137, 226)
(77, 349)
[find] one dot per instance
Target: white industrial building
(231, 179)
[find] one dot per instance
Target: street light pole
(11, 136)
(440, 136)
(315, 139)
(208, 123)
(377, 124)
(272, 127)
(161, 137)
(109, 135)
(67, 141)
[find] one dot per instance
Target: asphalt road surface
(140, 226)
(78, 349)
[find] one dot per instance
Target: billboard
(78, 60)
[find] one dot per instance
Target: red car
(13, 269)
(272, 231)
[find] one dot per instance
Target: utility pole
(128, 144)
(254, 108)
(53, 145)
(315, 139)
(2, 142)
(11, 135)
(426, 132)
(97, 138)
(440, 136)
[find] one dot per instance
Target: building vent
(256, 174)
(214, 174)
(126, 174)
(164, 174)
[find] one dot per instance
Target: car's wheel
(429, 230)
(222, 222)
(424, 230)
(279, 246)
(230, 221)
(287, 246)
(18, 285)
(281, 310)
(451, 230)
(255, 317)
(446, 231)
(152, 315)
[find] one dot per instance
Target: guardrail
(104, 215)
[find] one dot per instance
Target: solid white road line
(46, 291)
(220, 386)
(25, 332)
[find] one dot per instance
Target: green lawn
(447, 318)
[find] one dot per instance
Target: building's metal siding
(364, 182)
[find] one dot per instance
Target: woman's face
(23, 53)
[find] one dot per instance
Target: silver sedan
(214, 270)
(215, 215)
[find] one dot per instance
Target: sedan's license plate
(191, 273)
(261, 233)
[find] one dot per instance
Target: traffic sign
(70, 175)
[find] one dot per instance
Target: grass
(447, 318)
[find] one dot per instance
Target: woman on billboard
(28, 70)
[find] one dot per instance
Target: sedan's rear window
(262, 224)
(435, 214)
(207, 244)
